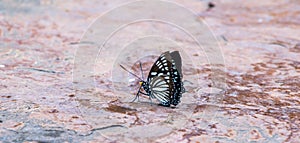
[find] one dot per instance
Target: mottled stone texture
(260, 41)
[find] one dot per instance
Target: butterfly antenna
(141, 70)
(130, 72)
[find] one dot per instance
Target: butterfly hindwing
(160, 90)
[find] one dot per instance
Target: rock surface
(261, 48)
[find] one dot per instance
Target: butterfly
(164, 81)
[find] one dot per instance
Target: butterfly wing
(177, 60)
(160, 72)
(160, 90)
(177, 77)
(161, 66)
(167, 71)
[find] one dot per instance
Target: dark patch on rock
(119, 109)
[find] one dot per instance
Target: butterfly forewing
(161, 66)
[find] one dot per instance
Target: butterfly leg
(137, 95)
(144, 93)
(141, 93)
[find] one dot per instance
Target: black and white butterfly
(164, 81)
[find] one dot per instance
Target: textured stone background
(260, 43)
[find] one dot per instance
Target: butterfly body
(164, 81)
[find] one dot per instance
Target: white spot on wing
(160, 74)
(153, 73)
(158, 63)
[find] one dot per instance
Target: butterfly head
(145, 85)
(141, 83)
